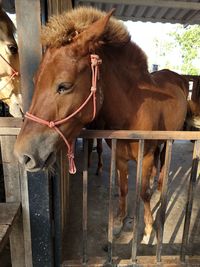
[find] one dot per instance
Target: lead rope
(14, 73)
(95, 62)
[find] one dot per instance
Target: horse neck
(123, 69)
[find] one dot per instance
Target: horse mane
(60, 29)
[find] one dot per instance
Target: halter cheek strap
(95, 62)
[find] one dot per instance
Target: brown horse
(193, 114)
(10, 91)
(127, 96)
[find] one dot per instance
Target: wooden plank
(8, 125)
(4, 235)
(13, 194)
(135, 135)
(9, 213)
(9, 131)
(10, 122)
(142, 261)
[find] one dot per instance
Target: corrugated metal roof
(174, 11)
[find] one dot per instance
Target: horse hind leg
(146, 193)
(122, 168)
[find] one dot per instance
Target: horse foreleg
(146, 193)
(123, 191)
(99, 152)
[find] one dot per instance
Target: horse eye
(13, 49)
(64, 87)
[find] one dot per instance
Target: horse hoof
(149, 239)
(145, 240)
(118, 225)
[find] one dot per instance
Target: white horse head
(10, 90)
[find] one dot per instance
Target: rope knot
(95, 60)
(93, 89)
(51, 124)
(70, 155)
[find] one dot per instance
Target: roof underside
(174, 11)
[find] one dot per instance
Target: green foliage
(188, 40)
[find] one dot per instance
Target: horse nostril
(26, 159)
(29, 161)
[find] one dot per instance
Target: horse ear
(88, 38)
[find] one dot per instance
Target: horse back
(164, 76)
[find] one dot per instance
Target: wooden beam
(12, 181)
(145, 261)
(151, 3)
(30, 52)
(135, 135)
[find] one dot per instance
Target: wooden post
(20, 240)
(39, 184)
(30, 52)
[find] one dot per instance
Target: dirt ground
(98, 193)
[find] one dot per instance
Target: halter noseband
(95, 61)
(14, 73)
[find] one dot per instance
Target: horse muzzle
(35, 154)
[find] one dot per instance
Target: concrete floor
(98, 193)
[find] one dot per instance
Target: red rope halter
(14, 72)
(95, 61)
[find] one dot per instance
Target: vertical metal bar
(85, 197)
(137, 203)
(189, 203)
(163, 199)
(111, 198)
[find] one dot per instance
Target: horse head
(10, 91)
(67, 96)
